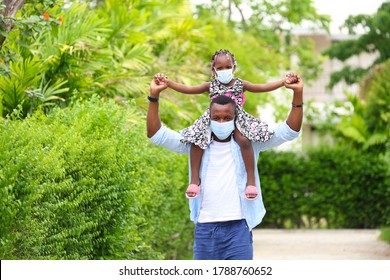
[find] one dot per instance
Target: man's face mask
(222, 129)
(225, 76)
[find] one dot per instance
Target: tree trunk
(11, 8)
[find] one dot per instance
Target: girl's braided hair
(222, 51)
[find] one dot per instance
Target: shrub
(333, 187)
(85, 183)
(385, 234)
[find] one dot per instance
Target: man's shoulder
(282, 134)
(171, 140)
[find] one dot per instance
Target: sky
(339, 10)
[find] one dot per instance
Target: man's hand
(160, 78)
(293, 82)
(157, 86)
(294, 119)
(290, 78)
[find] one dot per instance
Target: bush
(332, 187)
(385, 234)
(86, 183)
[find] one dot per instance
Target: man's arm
(294, 119)
(159, 134)
(288, 130)
(153, 121)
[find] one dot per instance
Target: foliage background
(80, 180)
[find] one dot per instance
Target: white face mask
(222, 129)
(225, 76)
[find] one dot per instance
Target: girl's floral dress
(252, 128)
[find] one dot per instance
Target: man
(223, 218)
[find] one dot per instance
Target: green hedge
(327, 187)
(86, 183)
(385, 234)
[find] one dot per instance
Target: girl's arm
(161, 78)
(189, 89)
(290, 78)
(263, 87)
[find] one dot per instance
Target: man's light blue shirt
(252, 210)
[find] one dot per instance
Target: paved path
(272, 244)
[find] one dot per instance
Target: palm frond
(135, 58)
(376, 139)
(14, 88)
(51, 91)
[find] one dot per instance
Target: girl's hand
(295, 83)
(290, 78)
(156, 87)
(161, 79)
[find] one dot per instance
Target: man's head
(222, 115)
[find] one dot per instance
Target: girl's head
(223, 60)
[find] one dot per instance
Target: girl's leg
(196, 154)
(249, 161)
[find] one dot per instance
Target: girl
(247, 128)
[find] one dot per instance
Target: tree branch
(242, 15)
(230, 11)
(11, 8)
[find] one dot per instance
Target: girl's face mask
(224, 76)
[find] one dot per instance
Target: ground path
(343, 244)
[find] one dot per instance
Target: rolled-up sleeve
(283, 133)
(169, 139)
